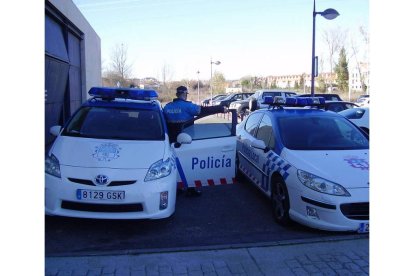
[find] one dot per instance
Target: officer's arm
(208, 110)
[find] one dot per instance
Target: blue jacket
(180, 111)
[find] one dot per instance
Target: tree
(341, 69)
(321, 84)
(296, 85)
(218, 83)
(334, 39)
(119, 65)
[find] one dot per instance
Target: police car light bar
(124, 93)
(294, 101)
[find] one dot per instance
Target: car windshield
(116, 123)
(321, 133)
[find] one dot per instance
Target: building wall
(72, 62)
(91, 46)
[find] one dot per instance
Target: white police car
(113, 159)
(312, 163)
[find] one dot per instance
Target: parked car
(359, 116)
(215, 97)
(231, 98)
(327, 97)
(113, 158)
(311, 163)
(363, 101)
(337, 106)
(242, 106)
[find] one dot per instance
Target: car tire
(280, 201)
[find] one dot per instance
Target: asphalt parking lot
(224, 216)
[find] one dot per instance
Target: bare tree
(355, 51)
(335, 40)
(119, 63)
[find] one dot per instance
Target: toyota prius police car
(312, 164)
(113, 158)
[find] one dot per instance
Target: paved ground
(317, 257)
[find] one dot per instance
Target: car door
(209, 158)
(265, 133)
(247, 155)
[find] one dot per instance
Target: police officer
(181, 112)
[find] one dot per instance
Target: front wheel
(280, 201)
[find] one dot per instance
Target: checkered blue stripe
(275, 162)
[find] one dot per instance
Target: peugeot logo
(101, 179)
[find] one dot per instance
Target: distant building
(358, 75)
(72, 62)
(233, 90)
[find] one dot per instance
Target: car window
(212, 126)
(265, 132)
(271, 94)
(238, 97)
(116, 123)
(252, 123)
(321, 133)
(335, 107)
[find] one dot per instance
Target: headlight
(321, 185)
(52, 166)
(160, 169)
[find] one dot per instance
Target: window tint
(116, 123)
(209, 127)
(336, 107)
(265, 132)
(321, 133)
(271, 94)
(252, 123)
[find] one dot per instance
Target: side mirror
(259, 144)
(55, 130)
(183, 138)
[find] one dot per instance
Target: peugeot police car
(313, 164)
(113, 158)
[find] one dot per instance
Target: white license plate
(363, 228)
(100, 195)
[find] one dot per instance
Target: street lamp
(328, 14)
(211, 77)
(198, 85)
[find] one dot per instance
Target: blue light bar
(298, 101)
(124, 93)
(267, 100)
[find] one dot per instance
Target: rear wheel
(280, 201)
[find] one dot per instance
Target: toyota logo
(101, 179)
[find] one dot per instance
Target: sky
(258, 38)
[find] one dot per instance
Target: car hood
(94, 153)
(349, 168)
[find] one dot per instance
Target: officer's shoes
(193, 192)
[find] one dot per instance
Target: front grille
(356, 211)
(111, 184)
(107, 208)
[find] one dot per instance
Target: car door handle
(230, 148)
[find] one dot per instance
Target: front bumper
(331, 213)
(142, 199)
